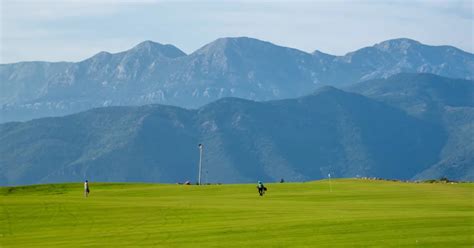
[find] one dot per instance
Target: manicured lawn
(357, 213)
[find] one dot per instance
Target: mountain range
(408, 126)
(445, 102)
(241, 67)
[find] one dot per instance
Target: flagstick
(330, 187)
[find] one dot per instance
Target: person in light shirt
(86, 188)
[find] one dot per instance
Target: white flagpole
(200, 163)
(330, 187)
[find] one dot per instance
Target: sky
(73, 30)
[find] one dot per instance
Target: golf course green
(350, 213)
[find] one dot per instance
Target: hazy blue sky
(73, 30)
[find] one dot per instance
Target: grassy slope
(356, 213)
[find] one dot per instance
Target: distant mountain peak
(239, 40)
(152, 47)
(396, 44)
(147, 44)
(233, 43)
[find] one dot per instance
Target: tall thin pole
(200, 163)
(330, 187)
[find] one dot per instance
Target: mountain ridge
(239, 67)
(328, 131)
(448, 103)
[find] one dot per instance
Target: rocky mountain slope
(329, 131)
(228, 67)
(445, 102)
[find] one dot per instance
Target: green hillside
(329, 131)
(359, 213)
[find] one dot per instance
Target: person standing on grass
(86, 188)
(261, 188)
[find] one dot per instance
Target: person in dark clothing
(261, 188)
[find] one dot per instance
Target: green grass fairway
(357, 213)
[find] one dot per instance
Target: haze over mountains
(409, 126)
(228, 67)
